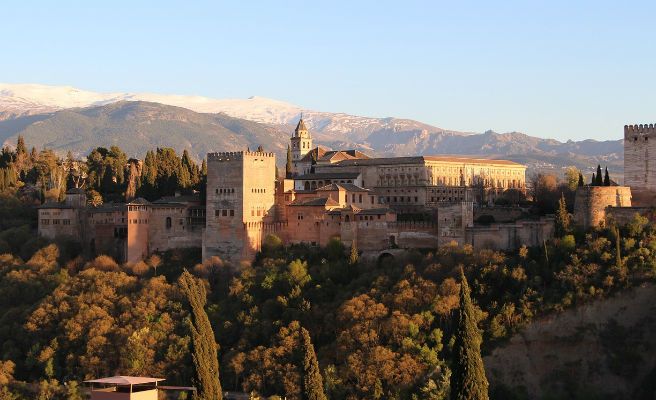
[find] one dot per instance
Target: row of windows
(224, 190)
(136, 208)
(258, 190)
(224, 213)
(402, 199)
(259, 211)
(137, 221)
(56, 221)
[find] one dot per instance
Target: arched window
(307, 186)
(168, 222)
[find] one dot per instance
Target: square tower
(639, 170)
(240, 201)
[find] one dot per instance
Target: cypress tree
(581, 183)
(606, 178)
(468, 381)
(599, 180)
(562, 217)
(618, 252)
(593, 182)
(205, 358)
(20, 146)
(288, 165)
(353, 256)
(203, 168)
(312, 380)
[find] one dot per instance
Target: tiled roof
(338, 155)
(191, 198)
(320, 201)
(139, 200)
(329, 175)
(53, 205)
(423, 159)
(318, 151)
(349, 187)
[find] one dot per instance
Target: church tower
(301, 142)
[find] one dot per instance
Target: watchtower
(240, 199)
(639, 170)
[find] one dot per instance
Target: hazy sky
(561, 69)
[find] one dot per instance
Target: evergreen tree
(260, 149)
(312, 380)
(599, 180)
(618, 252)
(353, 256)
(593, 182)
(20, 146)
(562, 217)
(203, 168)
(468, 381)
(205, 348)
(606, 178)
(288, 165)
(581, 183)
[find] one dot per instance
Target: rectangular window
(232, 213)
(217, 213)
(66, 221)
(224, 213)
(55, 222)
(359, 198)
(45, 222)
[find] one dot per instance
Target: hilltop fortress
(375, 204)
(597, 206)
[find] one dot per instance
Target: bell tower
(301, 141)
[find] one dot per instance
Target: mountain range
(64, 118)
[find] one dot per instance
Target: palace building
(374, 203)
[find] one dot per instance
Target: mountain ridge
(28, 109)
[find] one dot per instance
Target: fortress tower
(240, 200)
(639, 170)
(301, 143)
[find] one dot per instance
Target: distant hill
(66, 118)
(137, 127)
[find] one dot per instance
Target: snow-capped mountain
(29, 99)
(63, 117)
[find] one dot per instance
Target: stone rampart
(591, 202)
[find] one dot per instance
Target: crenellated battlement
(237, 155)
(641, 129)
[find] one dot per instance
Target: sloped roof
(75, 191)
(139, 200)
(349, 187)
(423, 159)
(319, 151)
(328, 175)
(300, 126)
(125, 380)
(320, 201)
(54, 205)
(339, 155)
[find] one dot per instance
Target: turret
(301, 141)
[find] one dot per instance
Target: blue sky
(560, 69)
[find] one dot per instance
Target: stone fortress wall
(240, 200)
(591, 203)
(639, 169)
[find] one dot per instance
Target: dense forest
(380, 329)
